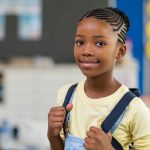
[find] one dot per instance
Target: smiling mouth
(88, 64)
(88, 61)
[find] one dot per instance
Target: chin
(88, 74)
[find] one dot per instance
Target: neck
(101, 86)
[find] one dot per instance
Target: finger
(57, 125)
(109, 135)
(95, 129)
(55, 115)
(57, 108)
(90, 134)
(59, 113)
(69, 107)
(87, 140)
(87, 144)
(56, 132)
(56, 119)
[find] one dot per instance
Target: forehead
(95, 26)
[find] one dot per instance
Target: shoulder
(138, 110)
(139, 115)
(138, 106)
(63, 91)
(139, 123)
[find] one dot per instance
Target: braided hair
(117, 19)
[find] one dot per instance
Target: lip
(88, 63)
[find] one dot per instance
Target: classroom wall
(59, 23)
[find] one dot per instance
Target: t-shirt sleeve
(140, 125)
(61, 94)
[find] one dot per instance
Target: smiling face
(96, 49)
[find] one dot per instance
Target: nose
(87, 50)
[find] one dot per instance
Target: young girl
(99, 44)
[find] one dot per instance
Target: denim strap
(67, 100)
(116, 115)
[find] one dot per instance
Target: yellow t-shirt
(87, 112)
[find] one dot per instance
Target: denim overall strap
(114, 118)
(67, 101)
(71, 142)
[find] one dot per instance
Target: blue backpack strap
(112, 118)
(135, 91)
(115, 114)
(66, 102)
(69, 94)
(116, 144)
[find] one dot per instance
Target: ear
(121, 52)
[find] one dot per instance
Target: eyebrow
(95, 36)
(79, 35)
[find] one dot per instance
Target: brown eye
(99, 44)
(79, 42)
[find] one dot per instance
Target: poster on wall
(29, 13)
(30, 27)
(2, 27)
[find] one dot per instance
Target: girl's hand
(98, 140)
(56, 118)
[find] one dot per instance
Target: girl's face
(96, 48)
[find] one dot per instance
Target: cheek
(75, 53)
(113, 60)
(113, 53)
(109, 59)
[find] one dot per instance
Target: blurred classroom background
(36, 59)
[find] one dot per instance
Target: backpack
(114, 118)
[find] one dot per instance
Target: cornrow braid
(114, 16)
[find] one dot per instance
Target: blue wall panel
(134, 9)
